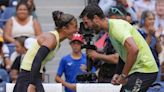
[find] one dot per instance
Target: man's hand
(121, 80)
(92, 54)
(31, 88)
(114, 79)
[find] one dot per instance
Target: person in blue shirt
(72, 65)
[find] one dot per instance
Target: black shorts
(23, 81)
(139, 82)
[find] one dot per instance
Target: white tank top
(23, 30)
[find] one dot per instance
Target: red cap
(77, 37)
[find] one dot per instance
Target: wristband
(123, 76)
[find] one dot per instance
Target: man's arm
(112, 58)
(132, 53)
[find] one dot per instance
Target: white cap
(28, 42)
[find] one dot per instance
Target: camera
(88, 44)
(86, 78)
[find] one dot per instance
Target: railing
(91, 87)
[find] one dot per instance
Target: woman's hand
(151, 30)
(31, 88)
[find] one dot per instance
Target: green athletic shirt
(31, 53)
(119, 31)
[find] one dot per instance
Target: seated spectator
(22, 24)
(148, 31)
(22, 45)
(72, 65)
(4, 56)
(31, 6)
(21, 50)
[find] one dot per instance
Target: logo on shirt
(69, 64)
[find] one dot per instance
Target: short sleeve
(5, 50)
(61, 68)
(121, 30)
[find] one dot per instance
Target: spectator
(4, 56)
(21, 50)
(159, 18)
(117, 12)
(140, 69)
(105, 58)
(106, 4)
(22, 45)
(32, 7)
(22, 24)
(142, 5)
(43, 50)
(129, 8)
(72, 64)
(148, 31)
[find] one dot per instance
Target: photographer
(105, 57)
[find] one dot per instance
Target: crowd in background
(19, 25)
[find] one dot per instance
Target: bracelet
(123, 76)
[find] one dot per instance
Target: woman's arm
(8, 32)
(47, 42)
(37, 27)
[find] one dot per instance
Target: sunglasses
(115, 11)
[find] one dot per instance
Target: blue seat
(13, 3)
(7, 13)
(4, 77)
